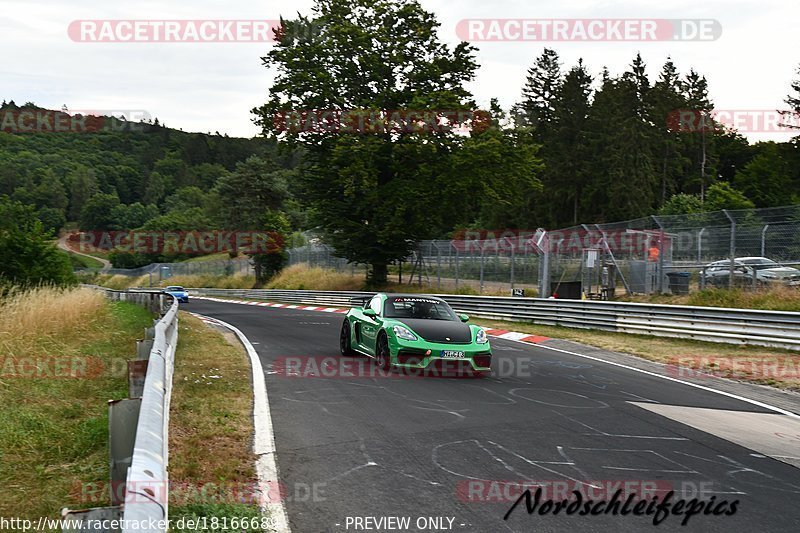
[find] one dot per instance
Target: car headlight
(481, 338)
(404, 333)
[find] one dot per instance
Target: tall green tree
(98, 212)
(372, 193)
(700, 145)
(766, 179)
(501, 170)
(569, 170)
(540, 92)
(28, 255)
(666, 102)
(83, 185)
(250, 191)
(622, 139)
(793, 100)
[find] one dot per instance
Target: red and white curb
(515, 336)
(499, 333)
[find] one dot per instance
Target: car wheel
(345, 347)
(382, 355)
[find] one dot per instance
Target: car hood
(781, 272)
(447, 331)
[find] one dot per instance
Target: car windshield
(175, 288)
(417, 307)
(761, 263)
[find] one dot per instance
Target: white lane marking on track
(264, 439)
(668, 378)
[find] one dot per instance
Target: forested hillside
(122, 176)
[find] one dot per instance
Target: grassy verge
(222, 256)
(212, 465)
(114, 281)
(83, 261)
(773, 298)
(322, 279)
(301, 277)
(62, 354)
(698, 355)
(237, 281)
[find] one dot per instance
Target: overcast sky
(212, 86)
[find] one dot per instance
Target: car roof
(724, 262)
(754, 258)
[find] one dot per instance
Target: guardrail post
(123, 417)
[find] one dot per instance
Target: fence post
(457, 261)
(733, 248)
(438, 267)
(482, 255)
(764, 240)
(513, 258)
(660, 255)
(700, 245)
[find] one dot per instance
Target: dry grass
(119, 282)
(779, 298)
(54, 424)
(666, 350)
(211, 425)
(45, 317)
(237, 281)
(315, 278)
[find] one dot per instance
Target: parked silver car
(766, 270)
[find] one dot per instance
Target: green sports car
(416, 333)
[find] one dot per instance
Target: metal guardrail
(139, 425)
(715, 324)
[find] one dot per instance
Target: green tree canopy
(372, 193)
(28, 255)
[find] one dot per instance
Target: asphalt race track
(449, 454)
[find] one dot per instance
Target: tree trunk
(380, 273)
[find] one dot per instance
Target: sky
(212, 86)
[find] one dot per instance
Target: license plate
(453, 354)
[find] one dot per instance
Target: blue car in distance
(178, 292)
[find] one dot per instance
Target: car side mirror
(370, 313)
(463, 317)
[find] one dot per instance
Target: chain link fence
(751, 248)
